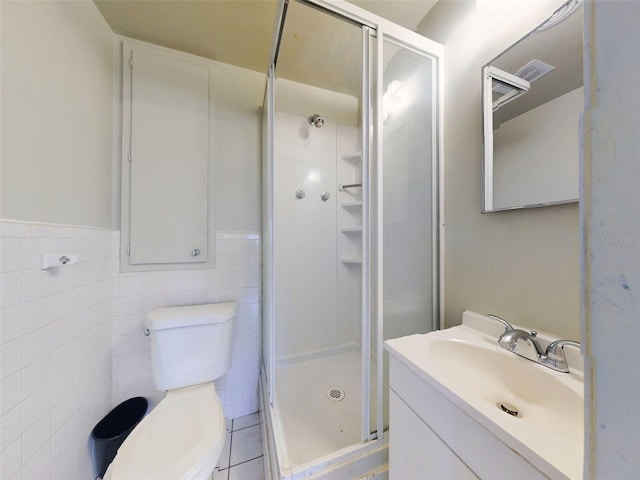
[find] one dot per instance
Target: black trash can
(111, 431)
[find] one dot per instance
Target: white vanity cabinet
(433, 438)
(415, 451)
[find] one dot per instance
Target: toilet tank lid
(172, 317)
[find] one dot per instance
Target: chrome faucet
(507, 325)
(555, 358)
(519, 341)
(524, 343)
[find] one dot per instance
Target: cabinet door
(415, 452)
(169, 160)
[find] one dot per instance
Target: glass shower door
(351, 227)
(317, 231)
(405, 221)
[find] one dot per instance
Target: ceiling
(239, 32)
(309, 55)
(408, 13)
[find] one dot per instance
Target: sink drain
(510, 409)
(335, 394)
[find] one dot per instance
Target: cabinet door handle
(195, 252)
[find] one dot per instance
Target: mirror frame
(520, 86)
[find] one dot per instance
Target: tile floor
(241, 457)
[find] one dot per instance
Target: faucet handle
(555, 357)
(507, 326)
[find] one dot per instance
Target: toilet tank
(191, 344)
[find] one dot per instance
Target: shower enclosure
(351, 129)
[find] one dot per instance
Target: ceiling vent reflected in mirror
(532, 71)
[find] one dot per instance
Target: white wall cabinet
(165, 160)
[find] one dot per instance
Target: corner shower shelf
(353, 204)
(353, 157)
(351, 229)
(351, 260)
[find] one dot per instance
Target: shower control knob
(325, 196)
(300, 194)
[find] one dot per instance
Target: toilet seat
(181, 439)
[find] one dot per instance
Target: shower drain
(335, 394)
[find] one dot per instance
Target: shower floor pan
(314, 432)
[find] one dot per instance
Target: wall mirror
(533, 97)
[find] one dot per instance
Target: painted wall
(240, 94)
(521, 265)
(56, 113)
(611, 228)
(234, 160)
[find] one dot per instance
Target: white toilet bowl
(181, 439)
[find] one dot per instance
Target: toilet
(183, 436)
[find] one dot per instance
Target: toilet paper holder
(50, 260)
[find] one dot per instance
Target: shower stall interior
(351, 129)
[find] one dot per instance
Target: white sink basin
(543, 409)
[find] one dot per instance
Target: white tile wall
(71, 341)
(55, 348)
(235, 278)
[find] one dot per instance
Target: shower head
(316, 120)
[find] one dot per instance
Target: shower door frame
(420, 45)
(374, 29)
